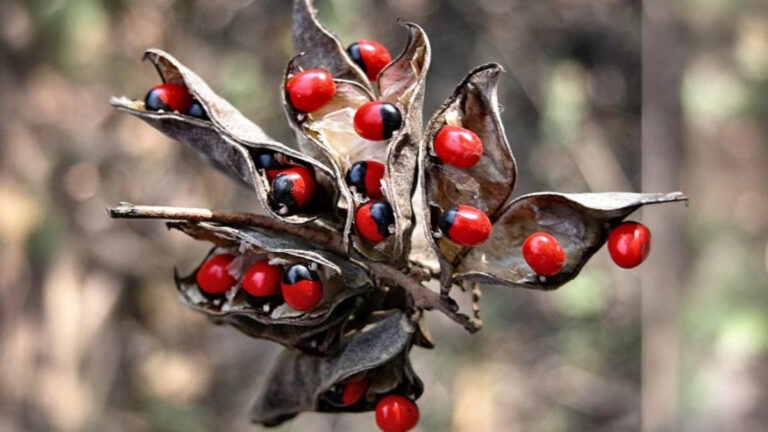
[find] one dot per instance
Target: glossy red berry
(294, 187)
(263, 279)
(457, 146)
(301, 287)
(373, 220)
(213, 277)
(371, 56)
(168, 97)
(629, 244)
(395, 413)
(365, 177)
(354, 390)
(196, 110)
(544, 254)
(377, 120)
(465, 225)
(310, 90)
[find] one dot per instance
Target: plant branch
(328, 239)
(423, 297)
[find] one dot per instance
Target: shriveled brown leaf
(486, 185)
(231, 141)
(580, 222)
(298, 381)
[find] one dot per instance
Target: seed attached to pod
(301, 287)
(262, 279)
(544, 254)
(349, 392)
(196, 110)
(377, 120)
(371, 56)
(294, 187)
(213, 277)
(629, 244)
(168, 97)
(365, 177)
(457, 146)
(465, 225)
(267, 161)
(310, 90)
(395, 413)
(373, 220)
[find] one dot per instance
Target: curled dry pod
(231, 141)
(299, 382)
(580, 222)
(344, 282)
(486, 185)
(329, 135)
(322, 48)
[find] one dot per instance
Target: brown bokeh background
(599, 95)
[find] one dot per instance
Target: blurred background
(599, 95)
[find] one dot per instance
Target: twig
(423, 297)
(328, 239)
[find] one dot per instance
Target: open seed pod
(487, 184)
(329, 135)
(300, 382)
(321, 47)
(233, 143)
(343, 283)
(580, 222)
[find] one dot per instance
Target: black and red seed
(168, 97)
(373, 220)
(301, 287)
(377, 120)
(371, 56)
(465, 225)
(294, 187)
(365, 177)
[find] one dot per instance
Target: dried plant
(373, 293)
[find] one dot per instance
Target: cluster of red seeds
(310, 90)
(461, 148)
(297, 284)
(628, 244)
(293, 186)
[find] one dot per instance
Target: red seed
(168, 97)
(310, 90)
(458, 147)
(373, 220)
(354, 390)
(465, 225)
(629, 244)
(395, 413)
(377, 120)
(213, 277)
(544, 254)
(294, 187)
(262, 279)
(371, 56)
(301, 287)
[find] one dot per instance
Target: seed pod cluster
(335, 270)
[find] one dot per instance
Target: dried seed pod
(231, 141)
(329, 135)
(322, 48)
(580, 222)
(300, 382)
(489, 182)
(342, 280)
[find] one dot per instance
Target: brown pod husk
(231, 141)
(342, 279)
(329, 135)
(488, 184)
(321, 47)
(580, 222)
(298, 382)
